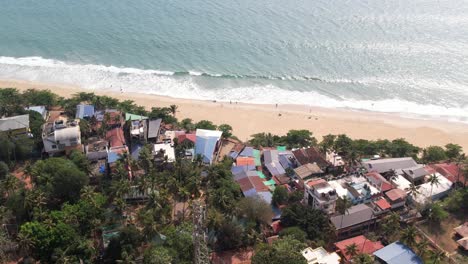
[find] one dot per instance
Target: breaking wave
(188, 85)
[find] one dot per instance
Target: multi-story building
(61, 136)
(321, 195)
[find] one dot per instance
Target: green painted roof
(134, 117)
(281, 148)
(261, 175)
(256, 154)
(270, 182)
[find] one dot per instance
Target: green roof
(270, 182)
(281, 148)
(261, 175)
(133, 117)
(256, 154)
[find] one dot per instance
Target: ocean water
(407, 57)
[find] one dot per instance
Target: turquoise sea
(408, 57)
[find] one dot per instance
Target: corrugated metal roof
(84, 110)
(385, 165)
(206, 143)
(14, 122)
(357, 214)
(398, 253)
(133, 117)
(153, 128)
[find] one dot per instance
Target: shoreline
(247, 119)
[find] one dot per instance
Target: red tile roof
(257, 182)
(310, 155)
(277, 227)
(115, 118)
(115, 137)
(245, 161)
(383, 204)
(363, 245)
(449, 170)
(182, 138)
(315, 182)
(245, 184)
(383, 184)
(395, 194)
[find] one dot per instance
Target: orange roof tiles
(245, 161)
(115, 137)
(395, 194)
(383, 204)
(315, 182)
(363, 244)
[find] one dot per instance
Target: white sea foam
(99, 77)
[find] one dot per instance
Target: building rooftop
(415, 172)
(153, 128)
(133, 117)
(320, 256)
(395, 195)
(245, 161)
(426, 189)
(39, 109)
(115, 137)
(14, 123)
(206, 143)
(168, 151)
(378, 181)
(357, 214)
(190, 137)
(401, 182)
(451, 171)
(310, 155)
(84, 111)
(364, 245)
(398, 253)
(382, 204)
(386, 165)
(462, 230)
(307, 170)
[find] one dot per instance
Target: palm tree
(421, 247)
(363, 259)
(433, 180)
(173, 109)
(9, 185)
(25, 243)
(414, 190)
(437, 256)
(342, 206)
(352, 250)
(408, 236)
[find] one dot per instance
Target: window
(54, 146)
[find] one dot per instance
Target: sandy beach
(248, 119)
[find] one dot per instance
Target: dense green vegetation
(57, 215)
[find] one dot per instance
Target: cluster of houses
(374, 188)
(115, 134)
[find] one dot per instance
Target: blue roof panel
(398, 253)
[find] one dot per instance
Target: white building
(207, 143)
(335, 159)
(61, 136)
(428, 192)
(321, 195)
(320, 256)
(167, 149)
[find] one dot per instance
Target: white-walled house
(61, 136)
